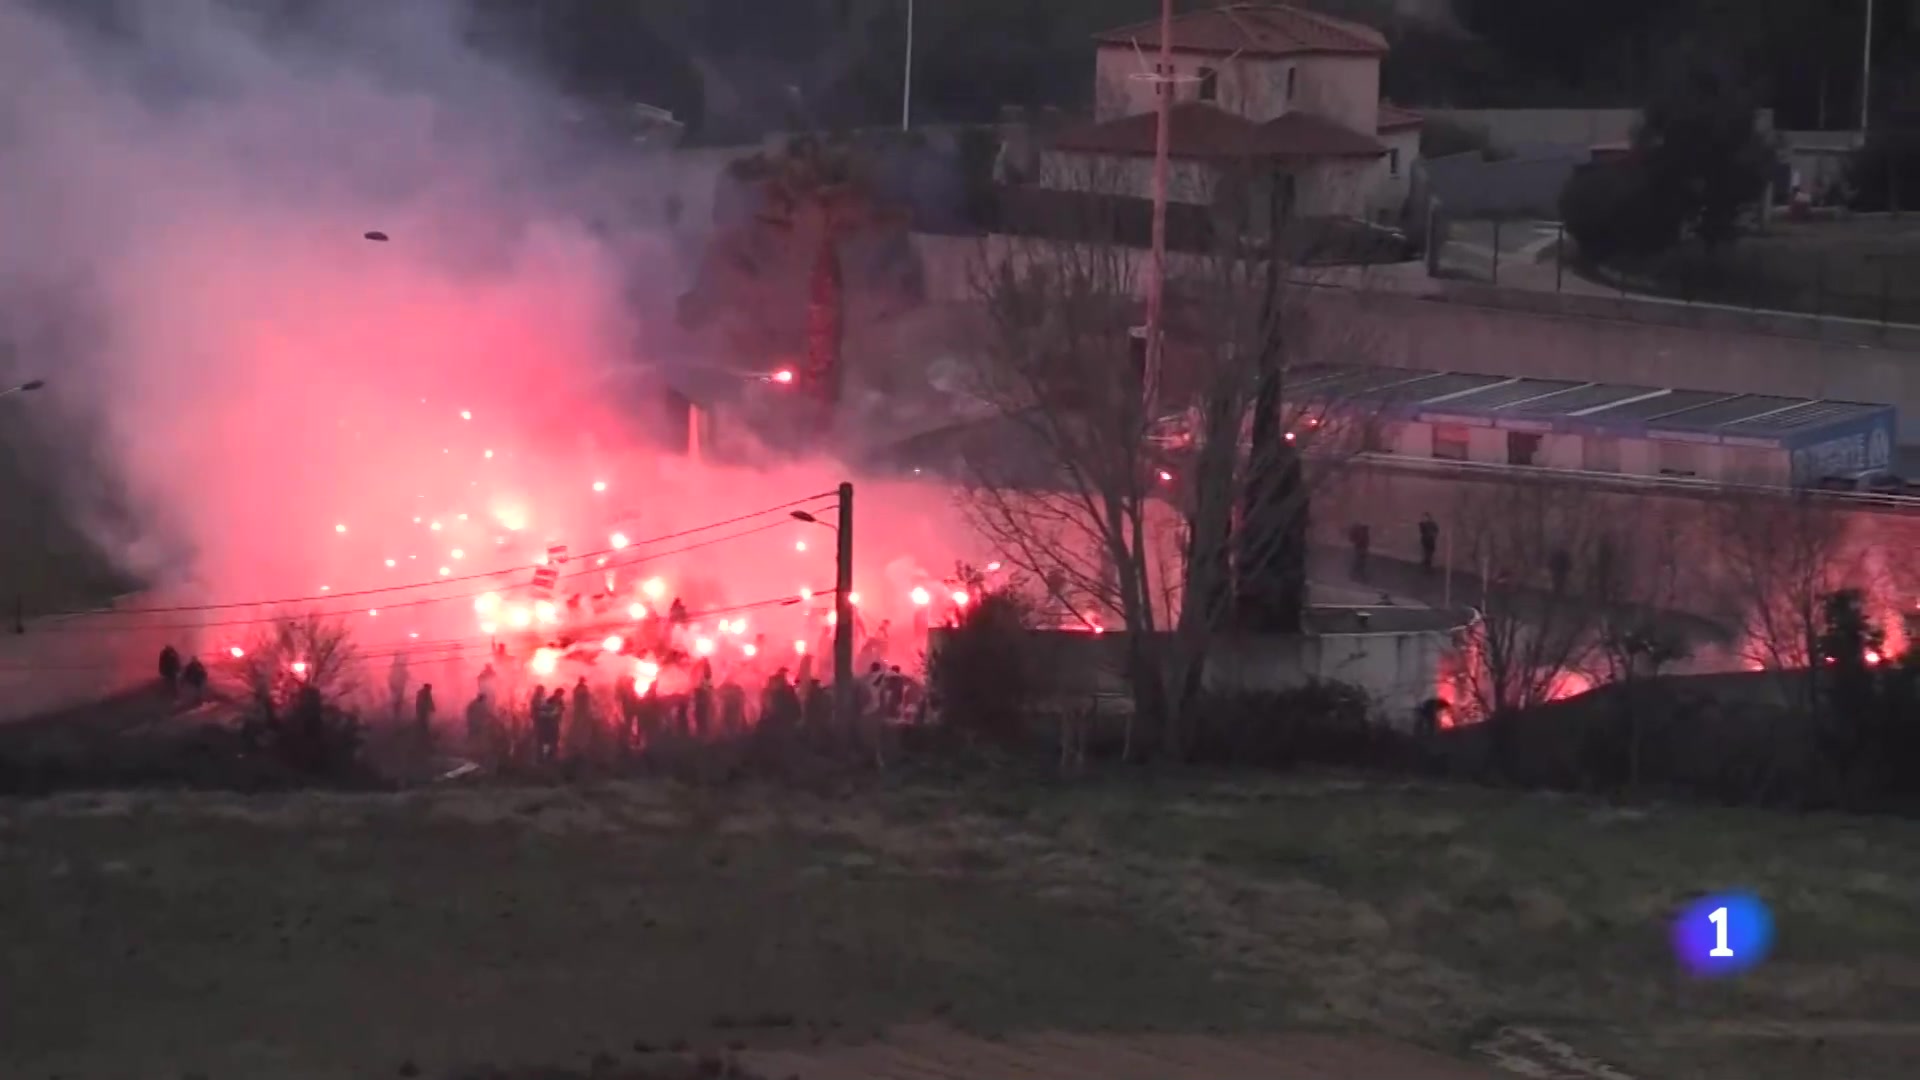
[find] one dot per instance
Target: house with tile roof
(1287, 92)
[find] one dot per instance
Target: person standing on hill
(170, 669)
(194, 678)
(423, 710)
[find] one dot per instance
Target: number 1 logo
(1719, 920)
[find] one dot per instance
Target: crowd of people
(668, 679)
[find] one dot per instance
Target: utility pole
(1866, 70)
(906, 83)
(1163, 85)
(843, 702)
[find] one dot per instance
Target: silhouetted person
(397, 684)
(584, 732)
(703, 704)
(781, 703)
(423, 715)
(479, 718)
(733, 707)
(893, 693)
(677, 614)
(1429, 541)
(817, 706)
(629, 702)
(170, 669)
(194, 677)
(653, 715)
(487, 680)
(547, 709)
(1559, 569)
(1361, 537)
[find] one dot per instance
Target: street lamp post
(1866, 69)
(906, 82)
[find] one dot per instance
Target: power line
(385, 589)
(639, 560)
(451, 648)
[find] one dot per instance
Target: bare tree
(1778, 556)
(299, 652)
(1177, 502)
(1526, 539)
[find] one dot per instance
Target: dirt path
(935, 1053)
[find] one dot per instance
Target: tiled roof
(1255, 30)
(1395, 118)
(1199, 130)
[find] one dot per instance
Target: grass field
(160, 935)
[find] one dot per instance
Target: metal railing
(1693, 486)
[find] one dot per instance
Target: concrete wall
(1187, 181)
(1450, 326)
(1391, 500)
(1469, 186)
(1389, 181)
(1340, 187)
(1398, 670)
(1562, 127)
(1343, 89)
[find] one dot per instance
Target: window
(1523, 448)
(1393, 161)
(1450, 442)
(1163, 81)
(1209, 84)
(1292, 80)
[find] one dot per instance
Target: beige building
(1288, 95)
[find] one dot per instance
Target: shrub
(1884, 174)
(294, 676)
(1320, 723)
(1610, 210)
(982, 676)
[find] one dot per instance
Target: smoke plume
(250, 397)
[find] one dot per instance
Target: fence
(1880, 287)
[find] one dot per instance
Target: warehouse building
(1605, 427)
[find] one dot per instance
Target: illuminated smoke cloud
(190, 234)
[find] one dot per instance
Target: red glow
(783, 376)
(236, 652)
